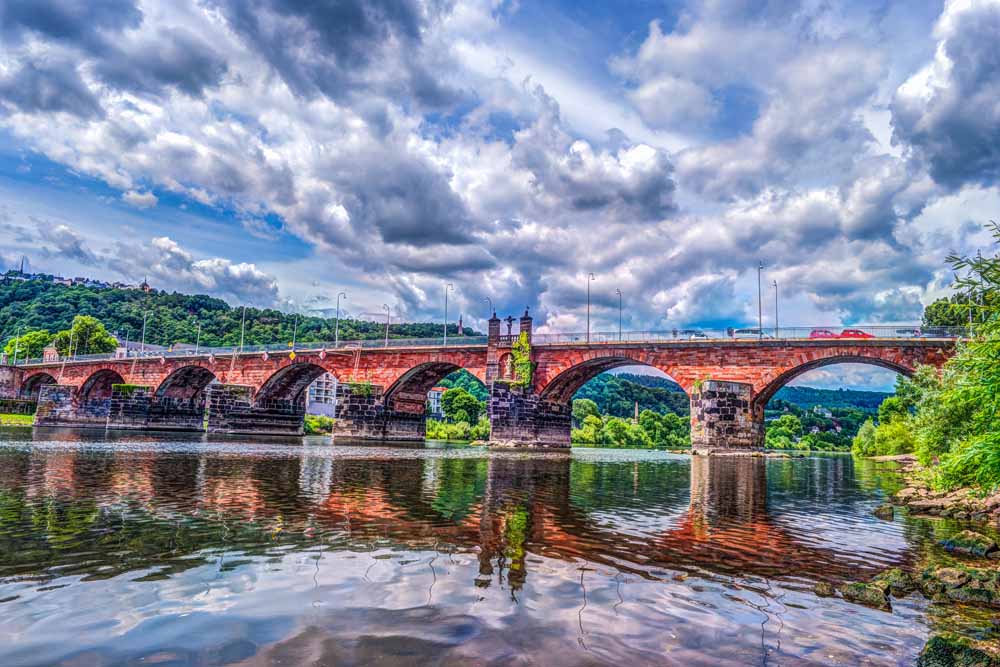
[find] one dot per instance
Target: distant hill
(615, 394)
(175, 318)
(807, 397)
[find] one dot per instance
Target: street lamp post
(336, 329)
(243, 328)
(127, 332)
(590, 278)
(490, 301)
(760, 304)
(142, 343)
(17, 344)
(618, 291)
(447, 287)
(197, 340)
(775, 284)
(295, 331)
(387, 313)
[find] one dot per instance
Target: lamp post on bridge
(243, 327)
(492, 309)
(17, 343)
(388, 311)
(760, 304)
(775, 284)
(197, 340)
(618, 291)
(142, 343)
(447, 287)
(336, 328)
(590, 278)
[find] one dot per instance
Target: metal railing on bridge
(595, 338)
(753, 334)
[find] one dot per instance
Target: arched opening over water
(187, 383)
(410, 393)
(821, 405)
(621, 403)
(289, 384)
(33, 384)
(97, 387)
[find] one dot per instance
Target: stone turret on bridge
(383, 389)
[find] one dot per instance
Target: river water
(131, 549)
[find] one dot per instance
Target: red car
(822, 333)
(855, 333)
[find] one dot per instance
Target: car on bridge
(907, 333)
(823, 334)
(747, 334)
(692, 334)
(855, 333)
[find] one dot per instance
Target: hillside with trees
(172, 318)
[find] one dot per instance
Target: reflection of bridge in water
(636, 517)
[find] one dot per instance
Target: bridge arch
(97, 387)
(767, 392)
(32, 385)
(186, 383)
(290, 382)
(561, 388)
(409, 392)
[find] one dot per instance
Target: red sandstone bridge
(382, 390)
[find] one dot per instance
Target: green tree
(864, 442)
(30, 345)
(86, 336)
(892, 409)
(461, 406)
(589, 432)
(583, 408)
(783, 432)
(894, 437)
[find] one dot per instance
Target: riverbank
(16, 420)
(920, 499)
(964, 581)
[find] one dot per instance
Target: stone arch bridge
(382, 390)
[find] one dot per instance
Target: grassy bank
(16, 420)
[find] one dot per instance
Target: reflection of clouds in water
(274, 613)
(602, 557)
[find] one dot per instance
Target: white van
(750, 334)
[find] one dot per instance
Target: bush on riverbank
(669, 430)
(318, 425)
(458, 431)
(952, 418)
(16, 420)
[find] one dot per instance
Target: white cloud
(140, 199)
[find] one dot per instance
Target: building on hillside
(434, 408)
(321, 398)
(821, 411)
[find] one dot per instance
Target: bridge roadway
(382, 390)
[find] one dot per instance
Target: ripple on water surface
(180, 551)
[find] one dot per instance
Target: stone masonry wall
(363, 415)
(58, 406)
(231, 410)
(520, 419)
(10, 381)
(129, 406)
(723, 418)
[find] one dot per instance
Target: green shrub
(318, 425)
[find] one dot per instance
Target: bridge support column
(723, 419)
(231, 409)
(521, 420)
(59, 405)
(362, 414)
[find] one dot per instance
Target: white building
(434, 410)
(322, 396)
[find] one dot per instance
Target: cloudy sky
(276, 152)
